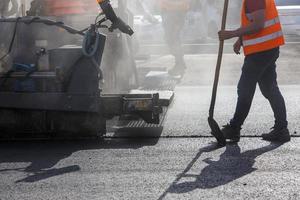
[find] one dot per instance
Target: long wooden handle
(219, 62)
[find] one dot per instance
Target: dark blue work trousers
(260, 68)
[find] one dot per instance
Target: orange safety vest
(174, 5)
(69, 7)
(270, 37)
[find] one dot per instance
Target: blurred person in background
(211, 17)
(173, 14)
(8, 7)
(142, 7)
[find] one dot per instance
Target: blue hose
(90, 47)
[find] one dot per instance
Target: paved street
(150, 169)
(180, 164)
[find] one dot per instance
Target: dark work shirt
(255, 5)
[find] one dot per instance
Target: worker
(261, 37)
(60, 8)
(8, 8)
(173, 14)
(67, 7)
(70, 7)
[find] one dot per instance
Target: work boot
(277, 135)
(231, 133)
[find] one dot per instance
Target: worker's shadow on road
(232, 165)
(44, 157)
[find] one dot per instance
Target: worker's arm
(257, 24)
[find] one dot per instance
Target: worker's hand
(237, 46)
(225, 35)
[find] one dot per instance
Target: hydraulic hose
(90, 42)
(90, 45)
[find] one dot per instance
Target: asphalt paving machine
(51, 86)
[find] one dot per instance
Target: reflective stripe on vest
(271, 36)
(272, 22)
(262, 39)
